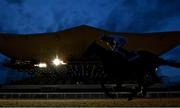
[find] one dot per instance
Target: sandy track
(92, 102)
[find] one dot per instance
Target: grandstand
(73, 73)
(73, 81)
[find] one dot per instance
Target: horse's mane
(95, 48)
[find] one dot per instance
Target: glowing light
(58, 61)
(41, 65)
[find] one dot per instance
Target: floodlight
(41, 65)
(58, 61)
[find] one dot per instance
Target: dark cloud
(170, 75)
(15, 1)
(34, 16)
(143, 16)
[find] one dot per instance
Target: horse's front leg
(134, 92)
(142, 91)
(106, 91)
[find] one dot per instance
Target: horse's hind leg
(139, 90)
(118, 86)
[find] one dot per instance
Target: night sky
(39, 16)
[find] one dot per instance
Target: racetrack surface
(170, 102)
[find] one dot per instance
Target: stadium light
(58, 61)
(41, 65)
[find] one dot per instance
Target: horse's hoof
(140, 94)
(113, 96)
(130, 98)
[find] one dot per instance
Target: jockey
(116, 44)
(114, 41)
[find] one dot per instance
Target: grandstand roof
(73, 42)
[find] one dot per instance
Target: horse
(141, 68)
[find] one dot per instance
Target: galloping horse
(119, 68)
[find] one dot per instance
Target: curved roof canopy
(72, 43)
